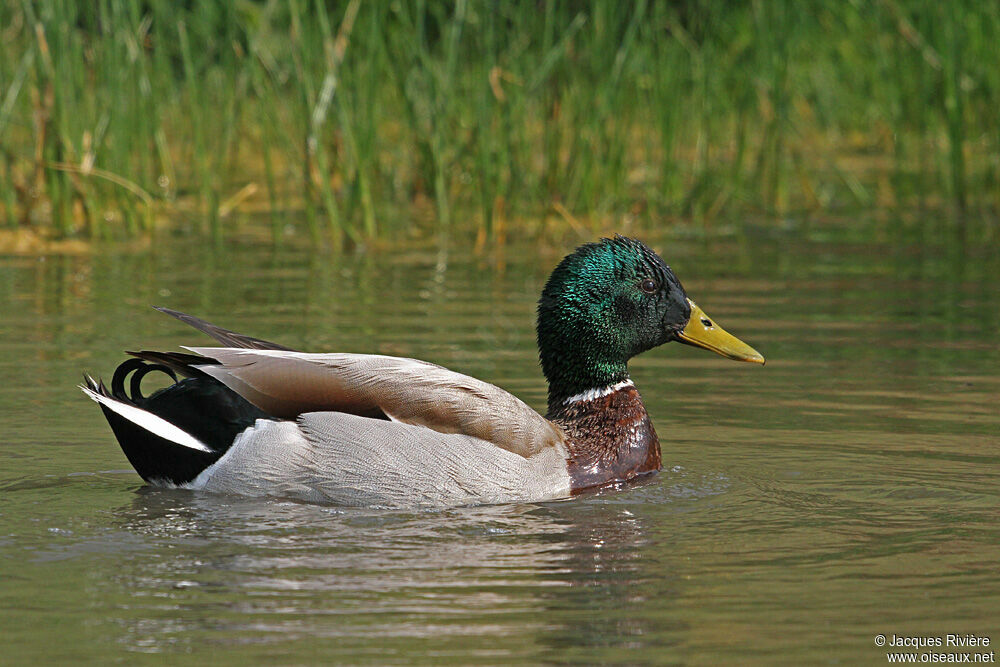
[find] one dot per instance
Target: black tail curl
(139, 369)
(199, 405)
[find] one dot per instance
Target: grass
(483, 116)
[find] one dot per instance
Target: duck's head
(606, 303)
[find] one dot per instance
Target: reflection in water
(299, 570)
(613, 572)
(572, 577)
(572, 574)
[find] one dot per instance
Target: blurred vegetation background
(357, 121)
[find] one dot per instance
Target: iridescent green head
(606, 303)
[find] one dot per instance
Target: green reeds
(474, 117)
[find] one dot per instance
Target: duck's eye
(648, 286)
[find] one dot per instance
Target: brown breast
(610, 439)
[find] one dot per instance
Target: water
(848, 488)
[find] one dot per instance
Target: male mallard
(258, 419)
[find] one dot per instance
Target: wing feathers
(224, 336)
(287, 384)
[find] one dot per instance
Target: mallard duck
(256, 418)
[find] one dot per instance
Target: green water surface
(847, 489)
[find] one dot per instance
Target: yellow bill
(701, 331)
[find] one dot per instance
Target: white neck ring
(598, 392)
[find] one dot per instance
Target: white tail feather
(147, 420)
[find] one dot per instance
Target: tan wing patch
(287, 384)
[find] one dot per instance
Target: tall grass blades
(367, 120)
